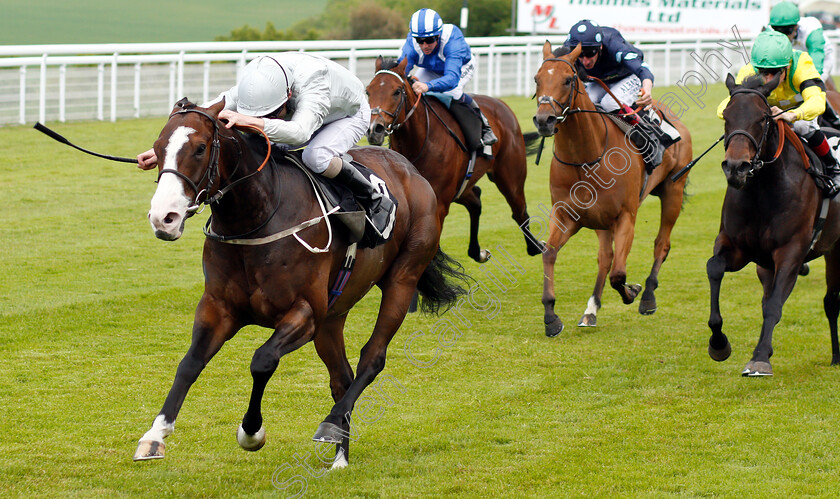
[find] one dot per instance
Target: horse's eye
(569, 80)
(200, 149)
(397, 93)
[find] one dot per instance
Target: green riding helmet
(771, 49)
(784, 14)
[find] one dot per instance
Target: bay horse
(424, 131)
(257, 273)
(598, 181)
(768, 217)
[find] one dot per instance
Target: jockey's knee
(317, 159)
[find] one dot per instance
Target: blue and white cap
(587, 33)
(425, 23)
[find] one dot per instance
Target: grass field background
(26, 22)
(95, 314)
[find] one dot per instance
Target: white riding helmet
(263, 87)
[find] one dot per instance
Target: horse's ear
(547, 50)
(216, 108)
(401, 65)
(378, 65)
(771, 85)
(730, 82)
(184, 103)
(574, 54)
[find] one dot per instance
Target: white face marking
(551, 71)
(381, 83)
(169, 196)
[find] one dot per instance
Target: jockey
(299, 98)
(799, 98)
(606, 55)
(806, 34)
(444, 62)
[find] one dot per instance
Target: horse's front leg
(212, 327)
(724, 259)
(294, 330)
(559, 234)
(671, 205)
(623, 233)
(831, 302)
(788, 264)
(605, 259)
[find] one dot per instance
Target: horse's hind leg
(671, 205)
(471, 200)
(831, 302)
(605, 259)
(211, 328)
(294, 330)
(329, 343)
(511, 183)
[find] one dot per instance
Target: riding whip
(59, 138)
(694, 161)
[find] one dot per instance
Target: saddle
(469, 122)
(349, 214)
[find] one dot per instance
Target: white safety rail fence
(118, 81)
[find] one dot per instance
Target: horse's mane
(752, 82)
(564, 50)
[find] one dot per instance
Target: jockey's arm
(451, 75)
(813, 93)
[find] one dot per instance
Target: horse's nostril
(170, 218)
(379, 128)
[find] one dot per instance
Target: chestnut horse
(769, 215)
(421, 129)
(598, 181)
(257, 273)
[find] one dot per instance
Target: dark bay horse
(421, 128)
(271, 258)
(769, 212)
(598, 181)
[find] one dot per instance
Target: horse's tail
(438, 285)
(531, 142)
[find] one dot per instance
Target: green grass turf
(26, 22)
(96, 314)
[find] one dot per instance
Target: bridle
(393, 126)
(202, 196)
(566, 110)
(756, 163)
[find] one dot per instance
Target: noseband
(756, 163)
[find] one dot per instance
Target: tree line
(376, 19)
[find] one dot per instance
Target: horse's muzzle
(546, 124)
(376, 134)
(736, 172)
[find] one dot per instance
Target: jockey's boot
(651, 136)
(488, 138)
(832, 169)
(380, 210)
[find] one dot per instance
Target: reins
(756, 163)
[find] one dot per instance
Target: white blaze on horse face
(551, 71)
(170, 202)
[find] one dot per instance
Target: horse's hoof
(647, 307)
(253, 442)
(631, 292)
(720, 354)
(804, 270)
(533, 248)
(340, 460)
(756, 369)
(554, 327)
(149, 449)
(483, 256)
(588, 320)
(329, 433)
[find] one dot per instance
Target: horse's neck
(583, 135)
(410, 139)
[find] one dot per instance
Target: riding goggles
(769, 71)
(785, 30)
(589, 51)
(428, 40)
